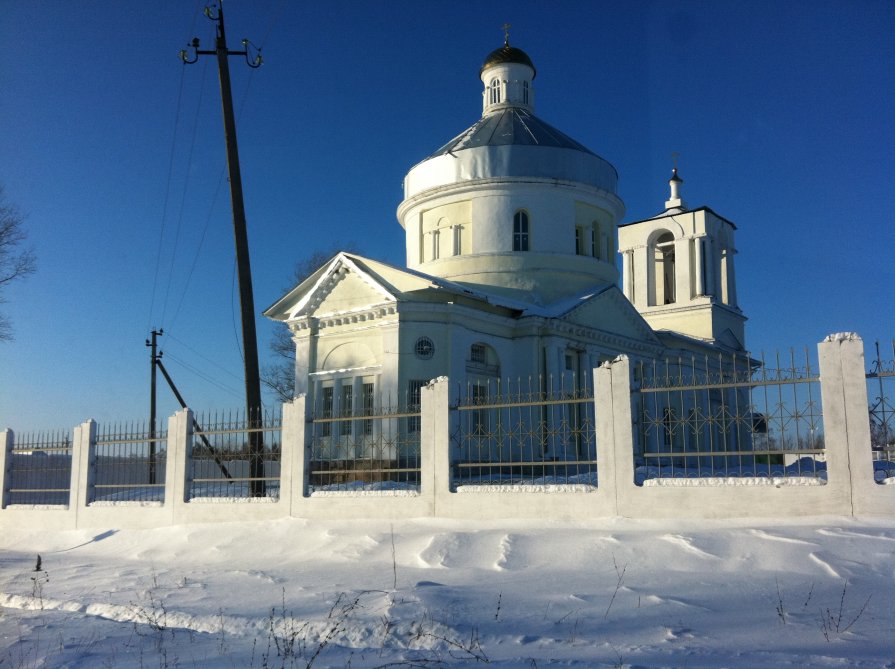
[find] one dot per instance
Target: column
(435, 443)
(846, 420)
(628, 274)
(731, 279)
(180, 429)
(700, 279)
(293, 465)
(82, 474)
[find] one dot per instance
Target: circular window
(424, 348)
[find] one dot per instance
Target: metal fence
(729, 416)
(372, 446)
(129, 464)
(537, 431)
(39, 468)
(880, 387)
(233, 456)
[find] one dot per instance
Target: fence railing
(129, 463)
(235, 456)
(39, 468)
(881, 397)
(535, 431)
(729, 416)
(519, 450)
(375, 448)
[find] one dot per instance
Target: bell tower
(678, 271)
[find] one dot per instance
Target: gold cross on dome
(506, 33)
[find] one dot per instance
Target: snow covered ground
(430, 593)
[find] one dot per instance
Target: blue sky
(781, 113)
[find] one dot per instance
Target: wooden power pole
(254, 414)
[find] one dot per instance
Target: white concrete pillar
(615, 432)
(293, 467)
(82, 471)
(624, 444)
(7, 442)
(180, 430)
(435, 444)
(605, 432)
(846, 418)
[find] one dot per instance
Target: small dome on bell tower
(507, 74)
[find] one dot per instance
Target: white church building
(512, 233)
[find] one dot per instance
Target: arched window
(494, 87)
(662, 259)
(520, 231)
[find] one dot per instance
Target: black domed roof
(508, 54)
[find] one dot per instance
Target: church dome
(508, 54)
(512, 204)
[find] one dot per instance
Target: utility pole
(254, 415)
(152, 415)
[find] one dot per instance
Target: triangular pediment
(610, 311)
(342, 285)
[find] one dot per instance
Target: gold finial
(506, 34)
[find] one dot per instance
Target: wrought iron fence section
(129, 463)
(39, 468)
(881, 410)
(222, 461)
(366, 445)
(535, 431)
(728, 415)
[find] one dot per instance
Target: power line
(186, 187)
(210, 215)
(205, 358)
(202, 375)
(158, 258)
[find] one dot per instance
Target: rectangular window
(326, 429)
(367, 394)
(520, 231)
(594, 244)
(347, 408)
(477, 354)
(458, 239)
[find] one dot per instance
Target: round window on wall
(424, 348)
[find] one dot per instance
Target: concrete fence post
(605, 426)
(435, 442)
(180, 428)
(615, 432)
(625, 439)
(7, 442)
(82, 470)
(845, 415)
(293, 467)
